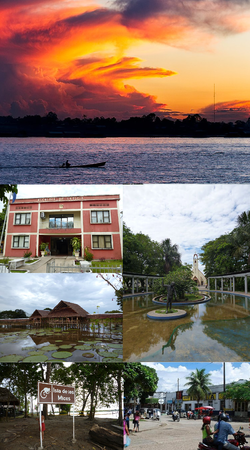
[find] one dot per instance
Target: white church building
(198, 276)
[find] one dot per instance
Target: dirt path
(23, 434)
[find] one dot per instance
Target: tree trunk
(85, 399)
(107, 438)
(119, 384)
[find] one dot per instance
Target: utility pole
(214, 103)
(224, 377)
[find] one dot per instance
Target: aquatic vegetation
(11, 358)
(88, 355)
(62, 355)
(37, 358)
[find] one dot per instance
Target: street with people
(182, 435)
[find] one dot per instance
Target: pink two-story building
(95, 220)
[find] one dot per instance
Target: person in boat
(67, 163)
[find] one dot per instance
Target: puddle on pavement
(46, 344)
(214, 331)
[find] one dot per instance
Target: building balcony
(55, 231)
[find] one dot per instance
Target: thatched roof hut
(39, 313)
(67, 309)
(7, 397)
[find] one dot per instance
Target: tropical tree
(198, 383)
(141, 254)
(172, 258)
(4, 189)
(182, 277)
(238, 391)
(21, 379)
(230, 252)
(139, 381)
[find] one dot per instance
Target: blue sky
(189, 214)
(168, 373)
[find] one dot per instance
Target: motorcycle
(176, 417)
(239, 440)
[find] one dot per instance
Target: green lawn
(18, 271)
(107, 263)
(31, 261)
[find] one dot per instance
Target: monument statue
(171, 293)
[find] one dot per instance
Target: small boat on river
(71, 166)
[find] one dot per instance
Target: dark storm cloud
(201, 13)
(149, 8)
(96, 17)
(58, 29)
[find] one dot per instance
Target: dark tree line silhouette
(148, 125)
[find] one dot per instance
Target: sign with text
(54, 393)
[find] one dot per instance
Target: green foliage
(139, 381)
(21, 379)
(238, 391)
(27, 254)
(198, 383)
(182, 277)
(88, 255)
(75, 243)
(17, 314)
(4, 189)
(5, 261)
(43, 246)
(230, 252)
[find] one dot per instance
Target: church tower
(198, 276)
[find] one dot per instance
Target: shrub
(88, 255)
(27, 254)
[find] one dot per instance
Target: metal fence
(54, 266)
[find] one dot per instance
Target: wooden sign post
(49, 393)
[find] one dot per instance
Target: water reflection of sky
(44, 344)
(217, 330)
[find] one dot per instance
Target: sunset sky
(122, 58)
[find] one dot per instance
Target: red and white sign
(54, 393)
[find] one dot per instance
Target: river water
(213, 331)
(128, 160)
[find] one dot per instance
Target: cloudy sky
(121, 58)
(60, 190)
(168, 373)
(40, 291)
(190, 215)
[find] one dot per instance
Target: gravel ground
(166, 434)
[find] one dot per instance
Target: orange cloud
(228, 111)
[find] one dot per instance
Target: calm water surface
(214, 331)
(128, 160)
(48, 344)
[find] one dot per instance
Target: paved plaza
(166, 434)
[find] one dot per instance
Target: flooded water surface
(214, 331)
(51, 345)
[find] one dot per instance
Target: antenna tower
(214, 103)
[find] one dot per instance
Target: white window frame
(22, 214)
(102, 235)
(102, 211)
(20, 236)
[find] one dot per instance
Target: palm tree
(172, 257)
(244, 218)
(198, 383)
